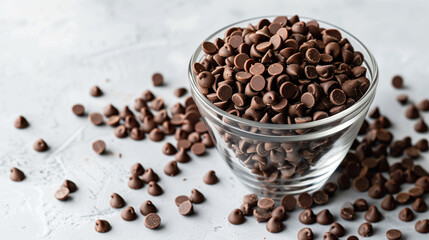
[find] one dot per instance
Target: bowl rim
(372, 69)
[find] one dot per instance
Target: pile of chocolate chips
(285, 71)
(366, 169)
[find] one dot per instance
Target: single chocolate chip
(320, 197)
(406, 215)
(376, 191)
(274, 225)
(70, 185)
(121, 131)
(147, 96)
(352, 237)
(210, 178)
(62, 194)
(365, 230)
(421, 126)
(113, 120)
(179, 199)
(135, 182)
(393, 234)
(279, 212)
(154, 189)
(110, 110)
(324, 217)
(402, 198)
(137, 134)
(307, 217)
(360, 205)
(412, 112)
(402, 99)
(337, 229)
(78, 110)
(416, 192)
(156, 135)
(196, 196)
(171, 168)
(388, 203)
(329, 236)
(157, 104)
(373, 215)
(180, 92)
(20, 122)
(266, 203)
(361, 184)
(236, 217)
(95, 91)
(251, 199)
(99, 147)
(343, 181)
(423, 105)
(137, 169)
(102, 226)
(261, 215)
(305, 200)
(397, 82)
(422, 145)
(288, 201)
(147, 207)
(419, 205)
(149, 176)
(152, 221)
(422, 226)
(157, 79)
(128, 214)
(186, 208)
(347, 211)
(423, 182)
(16, 175)
(337, 97)
(330, 188)
(169, 149)
(116, 201)
(198, 149)
(305, 234)
(96, 119)
(181, 156)
(40, 146)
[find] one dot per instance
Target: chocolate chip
(388, 203)
(134, 182)
(343, 181)
(419, 205)
(422, 226)
(402, 198)
(171, 168)
(179, 199)
(376, 191)
(95, 91)
(393, 234)
(102, 226)
(137, 169)
(416, 192)
(40, 146)
(128, 214)
(305, 200)
(330, 188)
(186, 208)
(78, 110)
(236, 217)
(180, 92)
(110, 110)
(365, 230)
(198, 149)
(137, 134)
(423, 105)
(210, 178)
(421, 126)
(251, 199)
(266, 203)
(156, 135)
(113, 121)
(154, 189)
(157, 104)
(352, 237)
(149, 176)
(157, 79)
(274, 225)
(422, 145)
(360, 205)
(324, 217)
(62, 194)
(307, 217)
(347, 211)
(423, 182)
(116, 201)
(96, 119)
(337, 229)
(196, 196)
(20, 122)
(329, 236)
(412, 112)
(320, 197)
(152, 221)
(305, 234)
(406, 215)
(361, 184)
(261, 215)
(402, 99)
(181, 156)
(147, 96)
(147, 207)
(99, 147)
(70, 185)
(397, 82)
(373, 215)
(16, 175)
(288, 201)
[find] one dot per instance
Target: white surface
(54, 51)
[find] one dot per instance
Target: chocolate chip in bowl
(283, 100)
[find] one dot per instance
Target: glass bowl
(278, 159)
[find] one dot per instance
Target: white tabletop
(54, 51)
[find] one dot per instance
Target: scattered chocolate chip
(305, 234)
(96, 119)
(421, 126)
(16, 175)
(423, 182)
(157, 104)
(156, 135)
(304, 200)
(210, 178)
(251, 199)
(181, 156)
(347, 211)
(196, 196)
(352, 237)
(329, 236)
(152, 221)
(198, 149)
(20, 122)
(261, 215)
(393, 234)
(320, 197)
(78, 110)
(406, 215)
(121, 131)
(186, 208)
(102, 226)
(113, 121)
(307, 217)
(62, 194)
(365, 230)
(70, 185)
(412, 112)
(171, 168)
(360, 205)
(402, 198)
(147, 207)
(422, 226)
(169, 149)
(157, 79)
(99, 146)
(110, 110)
(402, 99)
(128, 214)
(179, 199)
(95, 91)
(373, 215)
(135, 182)
(137, 169)
(116, 201)
(154, 189)
(324, 217)
(180, 92)
(337, 229)
(288, 201)
(274, 225)
(422, 145)
(40, 146)
(419, 205)
(236, 217)
(388, 203)
(266, 203)
(397, 82)
(423, 105)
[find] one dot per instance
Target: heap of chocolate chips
(285, 71)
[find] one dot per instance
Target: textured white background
(52, 52)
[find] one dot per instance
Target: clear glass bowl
(302, 155)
